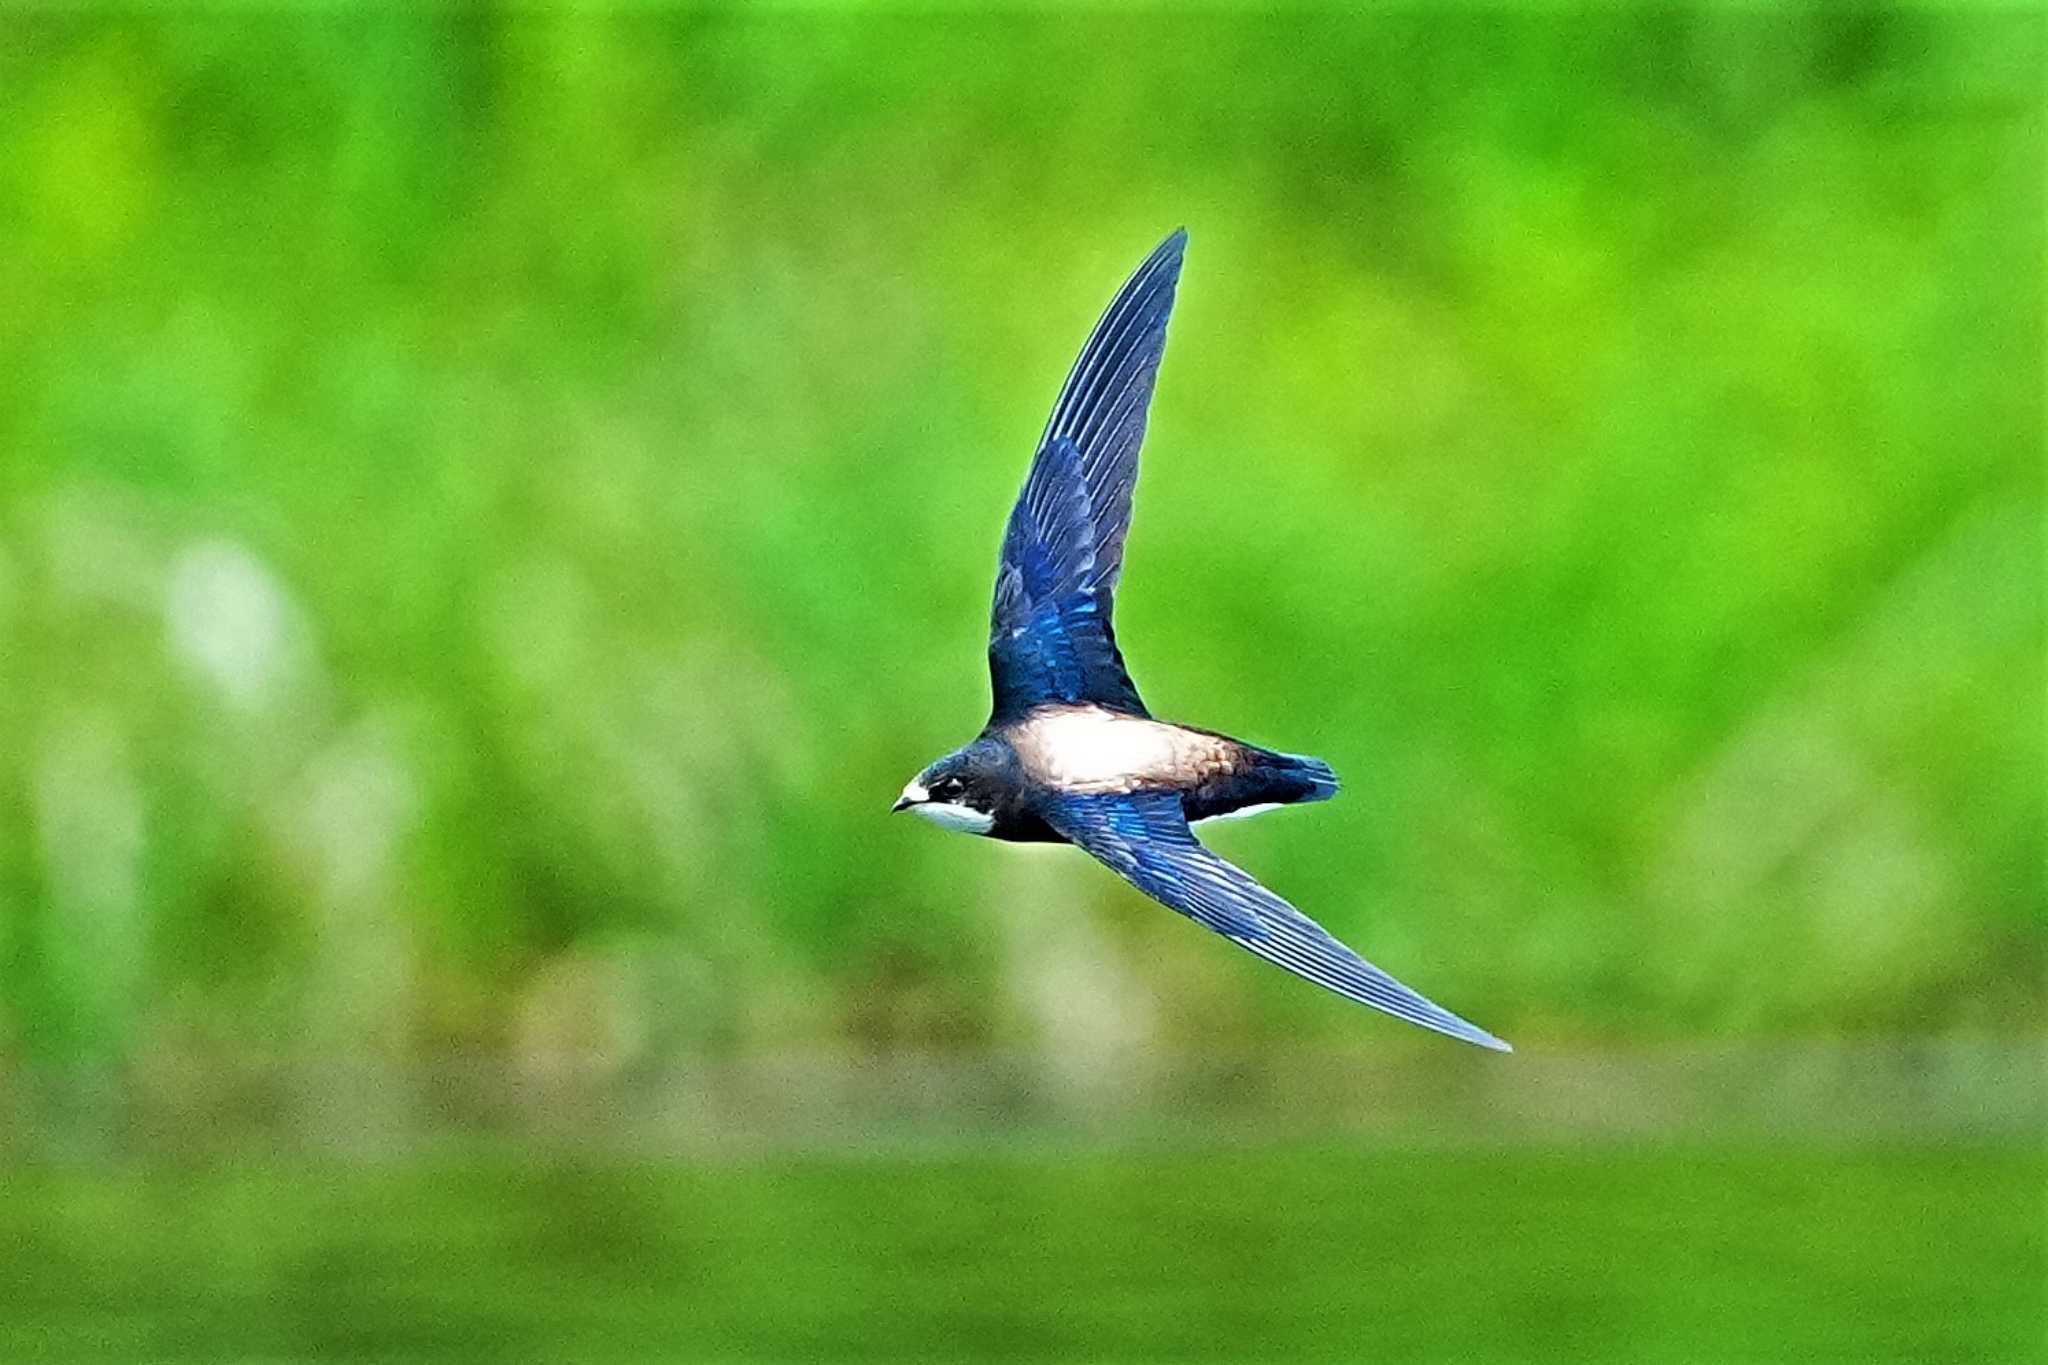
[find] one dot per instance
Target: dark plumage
(1070, 754)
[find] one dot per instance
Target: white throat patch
(951, 815)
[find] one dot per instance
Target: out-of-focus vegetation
(1327, 1255)
(494, 506)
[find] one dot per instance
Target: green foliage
(1281, 1253)
(484, 492)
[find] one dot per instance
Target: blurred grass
(496, 503)
(1280, 1253)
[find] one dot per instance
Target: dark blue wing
(1049, 636)
(1144, 838)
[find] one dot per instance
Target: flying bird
(1070, 754)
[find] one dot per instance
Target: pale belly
(1088, 749)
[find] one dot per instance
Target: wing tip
(1465, 1031)
(1170, 251)
(1163, 260)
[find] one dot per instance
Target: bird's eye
(946, 787)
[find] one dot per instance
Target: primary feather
(1050, 637)
(1144, 837)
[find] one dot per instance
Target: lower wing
(1144, 838)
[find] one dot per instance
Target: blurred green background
(493, 506)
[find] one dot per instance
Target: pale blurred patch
(1793, 817)
(10, 589)
(91, 831)
(657, 750)
(1093, 1018)
(96, 548)
(342, 827)
(232, 624)
(1808, 809)
(579, 1021)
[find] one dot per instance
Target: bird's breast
(1089, 749)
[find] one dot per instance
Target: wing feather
(1145, 839)
(1050, 637)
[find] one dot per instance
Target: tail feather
(1259, 781)
(1320, 776)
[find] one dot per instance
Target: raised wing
(1050, 637)
(1144, 838)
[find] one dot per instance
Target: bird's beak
(902, 803)
(913, 795)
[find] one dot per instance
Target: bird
(1070, 753)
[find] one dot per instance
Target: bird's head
(960, 791)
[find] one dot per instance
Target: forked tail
(1320, 777)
